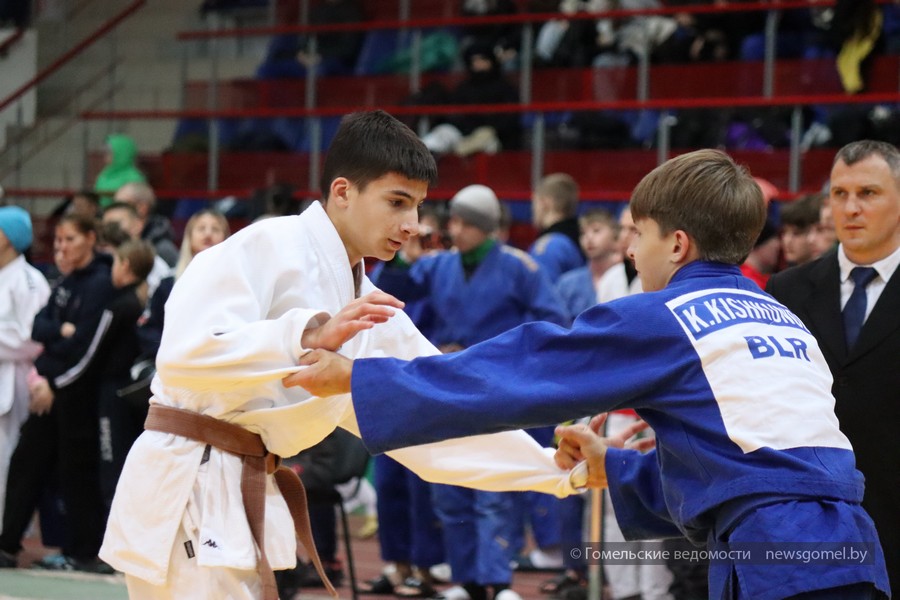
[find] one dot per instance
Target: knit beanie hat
(15, 223)
(477, 205)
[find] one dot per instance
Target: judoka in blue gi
(749, 454)
(554, 211)
(477, 290)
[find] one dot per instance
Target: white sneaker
(457, 592)
(507, 595)
(441, 573)
(546, 560)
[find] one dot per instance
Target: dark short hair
(708, 196)
(83, 224)
(369, 145)
(860, 150)
(90, 196)
(111, 234)
(803, 212)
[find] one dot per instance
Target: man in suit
(850, 300)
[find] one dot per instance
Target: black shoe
(95, 566)
(7, 560)
(333, 570)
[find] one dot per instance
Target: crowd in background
(484, 61)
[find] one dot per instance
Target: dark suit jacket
(866, 384)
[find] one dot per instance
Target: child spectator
(120, 421)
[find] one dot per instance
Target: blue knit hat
(15, 223)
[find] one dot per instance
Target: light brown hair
(562, 190)
(708, 196)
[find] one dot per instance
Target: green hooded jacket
(120, 170)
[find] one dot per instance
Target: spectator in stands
(823, 235)
(606, 42)
(336, 52)
(715, 36)
(83, 202)
(62, 429)
(24, 291)
(763, 258)
(502, 39)
(554, 212)
(128, 219)
(798, 218)
(203, 230)
(856, 29)
(117, 348)
(155, 228)
(469, 133)
(120, 169)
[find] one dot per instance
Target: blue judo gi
(506, 289)
(735, 387)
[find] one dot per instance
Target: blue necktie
(855, 309)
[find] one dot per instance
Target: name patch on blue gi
(712, 312)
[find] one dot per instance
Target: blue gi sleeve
(535, 374)
(637, 497)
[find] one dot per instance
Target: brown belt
(257, 463)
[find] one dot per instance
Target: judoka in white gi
(237, 322)
(23, 292)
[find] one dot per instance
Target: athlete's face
(376, 221)
(654, 255)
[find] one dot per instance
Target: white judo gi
(23, 293)
(233, 328)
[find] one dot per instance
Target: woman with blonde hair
(204, 229)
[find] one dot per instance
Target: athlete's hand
(326, 374)
(583, 442)
(362, 313)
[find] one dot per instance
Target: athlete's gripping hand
(362, 313)
(583, 442)
(326, 374)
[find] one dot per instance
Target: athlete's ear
(684, 249)
(339, 192)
